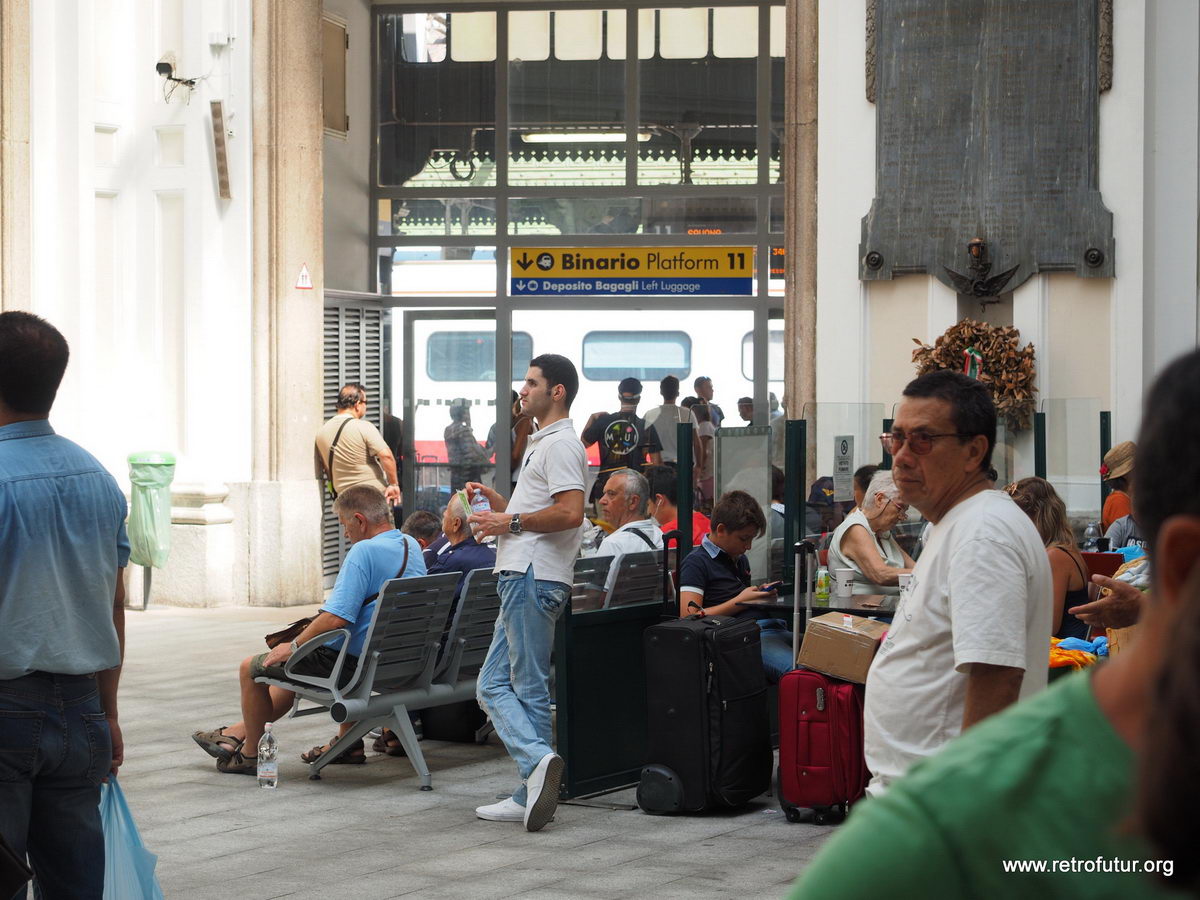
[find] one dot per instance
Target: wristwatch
(514, 524)
(294, 647)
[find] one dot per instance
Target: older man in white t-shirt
(971, 633)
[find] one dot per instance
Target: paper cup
(844, 578)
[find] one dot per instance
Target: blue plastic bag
(128, 865)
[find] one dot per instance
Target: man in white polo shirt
(539, 532)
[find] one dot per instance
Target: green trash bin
(150, 474)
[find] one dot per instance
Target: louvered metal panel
(353, 351)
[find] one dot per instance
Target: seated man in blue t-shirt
(379, 554)
(714, 579)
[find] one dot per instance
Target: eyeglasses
(919, 442)
(902, 508)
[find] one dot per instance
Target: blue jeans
(776, 640)
(514, 683)
(54, 751)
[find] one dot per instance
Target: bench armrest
(308, 648)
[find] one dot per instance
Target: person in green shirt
(1088, 789)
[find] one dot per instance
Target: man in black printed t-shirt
(624, 438)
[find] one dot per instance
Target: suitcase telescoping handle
(806, 558)
(670, 601)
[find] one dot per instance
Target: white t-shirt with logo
(981, 592)
(554, 461)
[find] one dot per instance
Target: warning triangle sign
(304, 281)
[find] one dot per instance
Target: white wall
(1172, 167)
(347, 160)
(135, 257)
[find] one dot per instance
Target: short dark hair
(689, 402)
(971, 408)
(863, 476)
(737, 510)
(423, 525)
(33, 358)
(558, 370)
(700, 379)
(777, 482)
(663, 480)
(350, 395)
(1168, 469)
(669, 388)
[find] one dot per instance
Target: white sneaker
(542, 787)
(507, 810)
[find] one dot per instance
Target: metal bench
(638, 579)
(417, 654)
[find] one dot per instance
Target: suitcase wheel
(792, 814)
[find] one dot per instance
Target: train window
(774, 356)
(471, 355)
(645, 355)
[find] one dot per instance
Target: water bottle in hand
(479, 504)
(268, 760)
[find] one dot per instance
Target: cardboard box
(841, 645)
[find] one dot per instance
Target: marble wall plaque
(987, 127)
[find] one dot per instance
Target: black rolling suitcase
(709, 730)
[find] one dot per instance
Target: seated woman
(714, 579)
(864, 543)
(1038, 499)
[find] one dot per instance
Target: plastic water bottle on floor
(268, 760)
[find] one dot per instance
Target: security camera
(166, 66)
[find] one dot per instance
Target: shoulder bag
(293, 631)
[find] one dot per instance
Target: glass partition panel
(634, 215)
(440, 271)
(1073, 453)
(436, 84)
(699, 99)
(742, 464)
(567, 107)
(445, 369)
(842, 437)
(645, 344)
(440, 217)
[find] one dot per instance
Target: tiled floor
(366, 831)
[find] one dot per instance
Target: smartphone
(773, 586)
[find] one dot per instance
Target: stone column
(15, 210)
(283, 503)
(800, 168)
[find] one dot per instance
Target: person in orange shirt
(1118, 472)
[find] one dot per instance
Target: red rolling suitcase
(821, 762)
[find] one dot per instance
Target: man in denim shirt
(63, 549)
(540, 530)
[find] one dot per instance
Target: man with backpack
(351, 451)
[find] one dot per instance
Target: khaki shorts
(318, 664)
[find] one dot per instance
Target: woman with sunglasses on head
(864, 541)
(1038, 500)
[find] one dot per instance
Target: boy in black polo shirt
(714, 579)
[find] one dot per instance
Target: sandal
(217, 744)
(388, 743)
(238, 765)
(353, 755)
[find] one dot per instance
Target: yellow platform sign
(632, 270)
